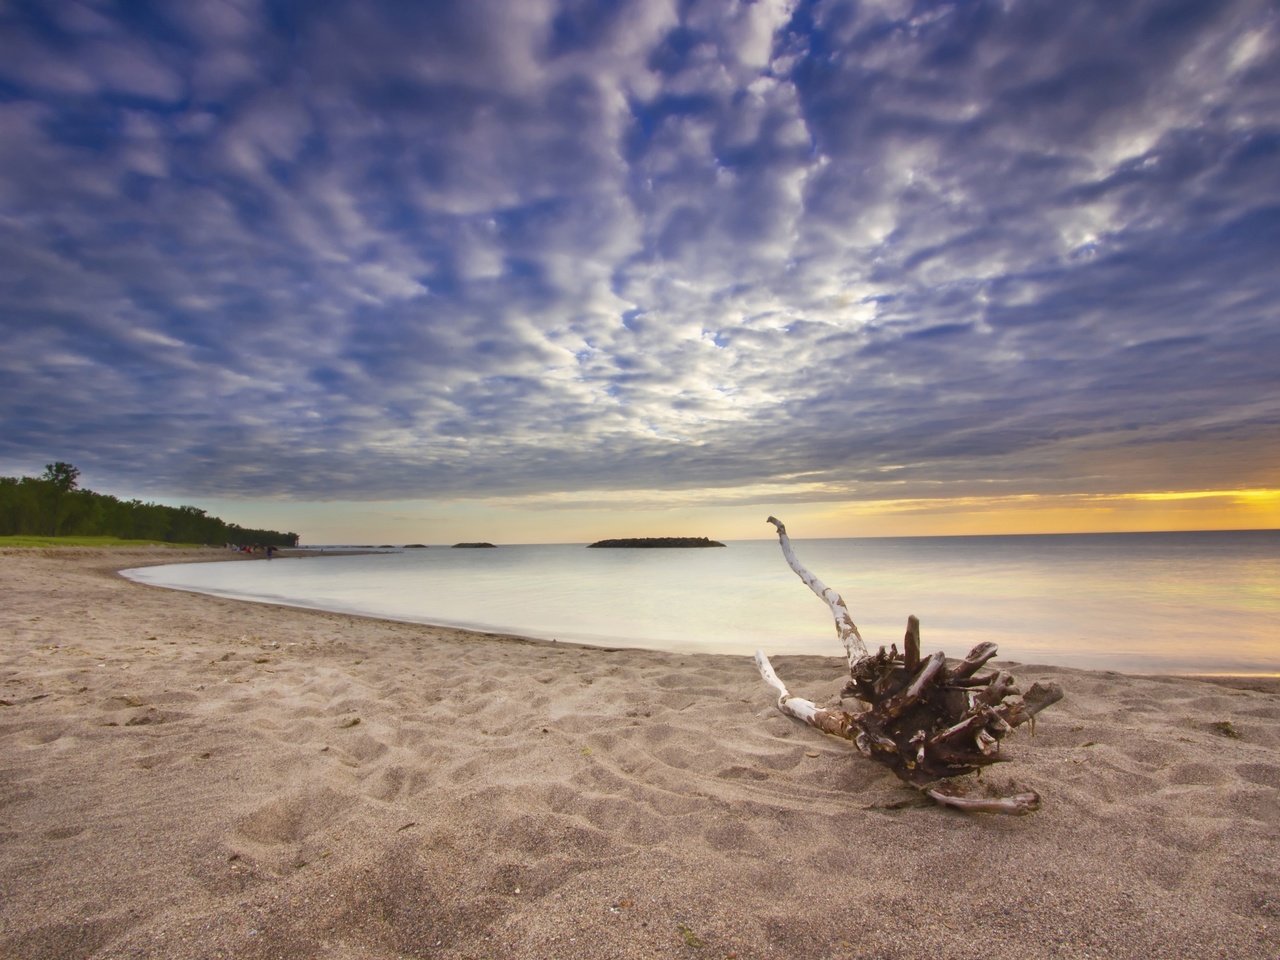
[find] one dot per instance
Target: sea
(1156, 603)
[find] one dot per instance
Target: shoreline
(189, 776)
(1263, 681)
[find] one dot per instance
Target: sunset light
(394, 272)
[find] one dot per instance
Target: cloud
(565, 250)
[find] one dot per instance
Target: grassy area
(25, 541)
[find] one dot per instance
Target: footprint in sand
(293, 818)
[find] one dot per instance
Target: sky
(550, 270)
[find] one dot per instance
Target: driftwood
(929, 720)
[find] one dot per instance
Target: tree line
(53, 504)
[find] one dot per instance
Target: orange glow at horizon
(1251, 509)
(738, 514)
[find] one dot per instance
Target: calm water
(1147, 603)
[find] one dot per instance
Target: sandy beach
(183, 776)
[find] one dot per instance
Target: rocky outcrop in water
(658, 542)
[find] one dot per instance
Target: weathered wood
(835, 722)
(1016, 803)
(927, 720)
(911, 644)
(846, 629)
(974, 661)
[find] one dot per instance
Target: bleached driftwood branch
(846, 629)
(928, 720)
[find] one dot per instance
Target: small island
(658, 542)
(415, 546)
(471, 546)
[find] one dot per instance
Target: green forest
(54, 505)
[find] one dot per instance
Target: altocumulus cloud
(387, 250)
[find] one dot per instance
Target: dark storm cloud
(391, 250)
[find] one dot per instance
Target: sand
(184, 776)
